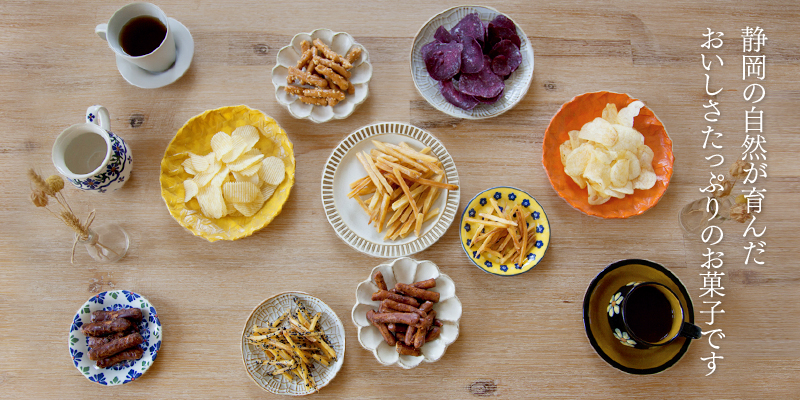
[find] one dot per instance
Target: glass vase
(694, 217)
(106, 243)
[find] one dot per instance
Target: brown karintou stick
(115, 346)
(396, 318)
(407, 350)
(404, 307)
(132, 354)
(383, 295)
(422, 330)
(387, 336)
(426, 284)
(417, 292)
(134, 314)
(433, 334)
(380, 281)
(103, 328)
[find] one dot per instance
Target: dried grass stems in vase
(42, 190)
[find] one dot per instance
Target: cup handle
(691, 331)
(98, 115)
(101, 30)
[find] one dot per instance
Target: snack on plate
(321, 76)
(234, 179)
(504, 232)
(472, 61)
(407, 326)
(113, 337)
(608, 156)
(402, 184)
(293, 343)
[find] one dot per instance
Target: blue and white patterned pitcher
(90, 156)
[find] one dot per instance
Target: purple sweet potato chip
(455, 97)
(492, 100)
(511, 53)
(469, 26)
(496, 34)
(443, 60)
(443, 35)
(483, 84)
(427, 49)
(500, 65)
(503, 22)
(471, 56)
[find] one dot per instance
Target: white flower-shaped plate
(271, 309)
(340, 42)
(126, 371)
(517, 84)
(351, 222)
(407, 270)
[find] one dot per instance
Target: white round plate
(340, 42)
(126, 371)
(516, 85)
(346, 216)
(448, 311)
(271, 309)
(184, 51)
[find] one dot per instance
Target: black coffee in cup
(648, 313)
(142, 35)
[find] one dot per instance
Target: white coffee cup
(92, 157)
(160, 59)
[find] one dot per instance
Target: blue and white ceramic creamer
(90, 156)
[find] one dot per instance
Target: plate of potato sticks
(322, 75)
(504, 231)
(293, 344)
(390, 189)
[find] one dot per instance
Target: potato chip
(626, 115)
(599, 131)
(267, 191)
(251, 208)
(238, 146)
(187, 166)
(239, 192)
(206, 176)
(239, 177)
(190, 190)
(252, 170)
(199, 163)
(221, 143)
(248, 133)
(247, 159)
(272, 170)
(608, 156)
(212, 204)
(220, 177)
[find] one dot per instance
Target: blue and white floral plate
(505, 196)
(126, 371)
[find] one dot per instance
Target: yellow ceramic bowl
(504, 196)
(195, 136)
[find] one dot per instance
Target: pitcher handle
(98, 115)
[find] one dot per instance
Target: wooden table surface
(520, 337)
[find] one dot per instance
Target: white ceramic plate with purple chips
(126, 371)
(480, 74)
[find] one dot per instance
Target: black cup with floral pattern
(648, 314)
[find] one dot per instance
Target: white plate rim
(184, 49)
(389, 250)
(450, 109)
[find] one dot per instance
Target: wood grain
(520, 337)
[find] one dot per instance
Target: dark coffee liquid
(141, 35)
(648, 313)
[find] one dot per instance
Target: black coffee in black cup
(649, 314)
(142, 35)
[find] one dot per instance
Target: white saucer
(184, 49)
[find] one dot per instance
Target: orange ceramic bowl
(585, 108)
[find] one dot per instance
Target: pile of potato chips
(608, 156)
(234, 179)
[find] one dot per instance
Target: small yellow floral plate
(195, 136)
(504, 196)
